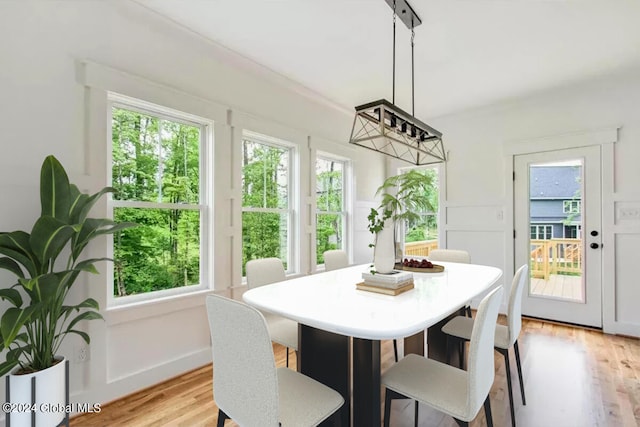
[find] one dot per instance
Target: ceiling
(468, 53)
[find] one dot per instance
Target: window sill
(129, 312)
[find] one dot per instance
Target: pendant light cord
(393, 93)
(413, 97)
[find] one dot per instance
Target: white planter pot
(384, 253)
(50, 399)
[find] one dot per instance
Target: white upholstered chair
(247, 387)
(263, 272)
(449, 255)
(335, 259)
(452, 255)
(446, 388)
(505, 336)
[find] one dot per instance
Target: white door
(558, 232)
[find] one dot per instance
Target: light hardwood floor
(573, 377)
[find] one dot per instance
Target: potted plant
(46, 262)
(403, 196)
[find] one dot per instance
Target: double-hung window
(331, 215)
(267, 205)
(157, 170)
(541, 232)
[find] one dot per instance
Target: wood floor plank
(573, 377)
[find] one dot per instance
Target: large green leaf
(12, 266)
(84, 335)
(55, 197)
(88, 264)
(92, 228)
(67, 310)
(85, 207)
(77, 201)
(7, 367)
(12, 296)
(46, 288)
(48, 238)
(13, 320)
(16, 246)
(87, 315)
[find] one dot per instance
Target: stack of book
(390, 284)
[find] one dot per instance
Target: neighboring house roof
(554, 182)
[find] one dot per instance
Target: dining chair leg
(287, 357)
(395, 350)
(222, 417)
(467, 310)
(507, 368)
(461, 348)
(415, 415)
(462, 423)
(387, 406)
(487, 411)
(519, 366)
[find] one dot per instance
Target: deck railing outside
(556, 256)
(553, 256)
(420, 248)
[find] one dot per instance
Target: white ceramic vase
(50, 397)
(384, 252)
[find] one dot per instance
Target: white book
(387, 285)
(395, 277)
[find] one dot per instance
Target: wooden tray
(386, 291)
(436, 269)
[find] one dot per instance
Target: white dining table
(331, 312)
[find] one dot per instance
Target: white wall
(52, 106)
(44, 110)
(477, 204)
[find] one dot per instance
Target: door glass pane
(555, 221)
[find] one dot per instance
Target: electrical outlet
(82, 353)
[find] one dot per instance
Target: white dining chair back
(480, 367)
(247, 387)
(453, 391)
(264, 271)
(335, 259)
(514, 313)
(452, 255)
(449, 255)
(245, 383)
(461, 327)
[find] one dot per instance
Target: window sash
(289, 210)
(161, 113)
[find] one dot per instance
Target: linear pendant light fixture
(383, 127)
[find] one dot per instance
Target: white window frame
(115, 100)
(345, 213)
(542, 227)
(571, 206)
(291, 209)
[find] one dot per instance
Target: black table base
(326, 357)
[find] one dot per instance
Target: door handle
(594, 246)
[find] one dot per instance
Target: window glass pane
(328, 234)
(329, 185)
(421, 234)
(154, 160)
(264, 235)
(265, 175)
(163, 252)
